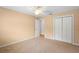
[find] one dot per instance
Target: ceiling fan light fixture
(38, 11)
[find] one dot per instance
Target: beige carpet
(40, 45)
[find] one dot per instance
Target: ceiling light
(38, 11)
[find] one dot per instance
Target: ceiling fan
(40, 11)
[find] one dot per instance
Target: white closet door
(67, 29)
(64, 29)
(58, 28)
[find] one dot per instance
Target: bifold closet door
(58, 28)
(64, 29)
(67, 29)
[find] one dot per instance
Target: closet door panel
(69, 29)
(58, 28)
(67, 25)
(64, 29)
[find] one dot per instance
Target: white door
(42, 26)
(68, 29)
(37, 28)
(58, 28)
(64, 29)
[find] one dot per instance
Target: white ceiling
(47, 9)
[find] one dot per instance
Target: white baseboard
(51, 37)
(75, 44)
(14, 42)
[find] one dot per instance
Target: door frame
(37, 27)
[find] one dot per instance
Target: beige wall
(76, 18)
(15, 26)
(48, 25)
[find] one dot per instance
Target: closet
(63, 27)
